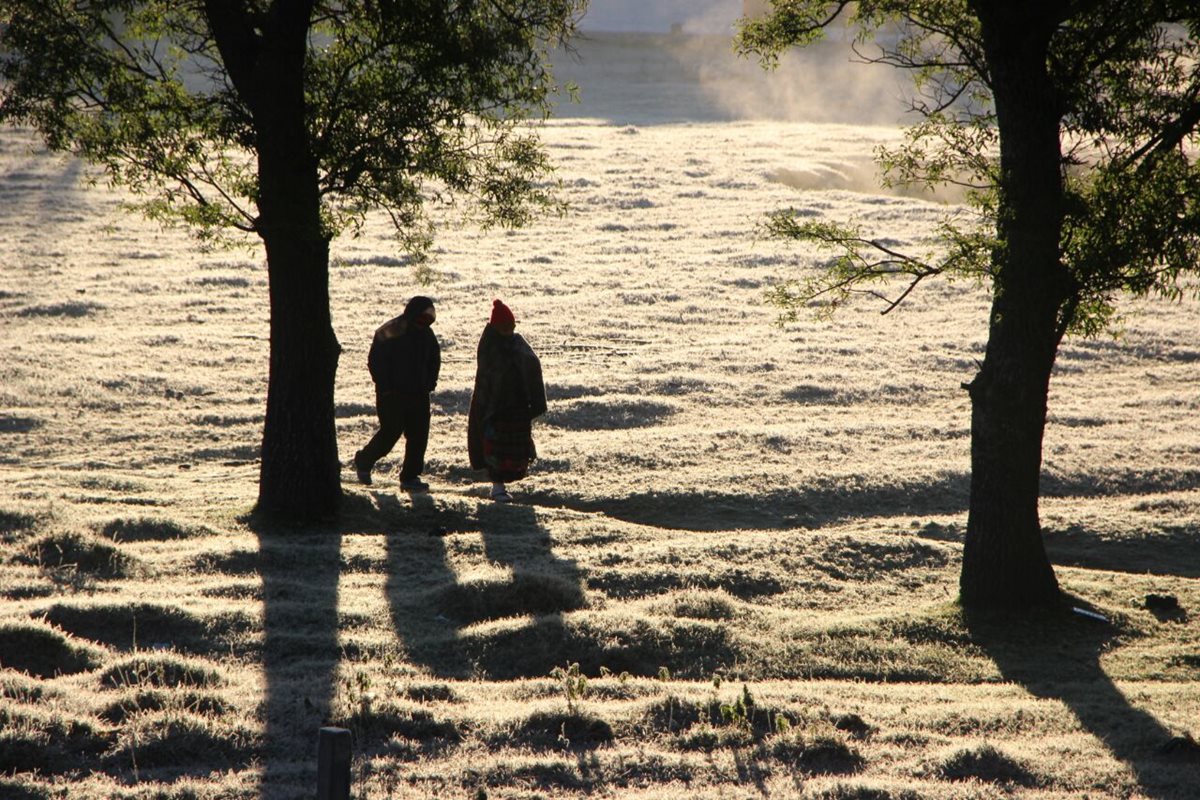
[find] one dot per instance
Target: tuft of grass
(846, 791)
(709, 604)
(535, 778)
(236, 562)
(743, 713)
(984, 763)
(527, 593)
(23, 789)
(556, 729)
(373, 723)
(148, 529)
(430, 693)
(143, 701)
(934, 647)
(184, 743)
(15, 525)
(48, 745)
(689, 649)
(160, 671)
(710, 738)
(816, 755)
(73, 310)
(82, 552)
(145, 625)
(672, 714)
(42, 651)
(22, 689)
(852, 724)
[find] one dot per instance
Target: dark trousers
(404, 415)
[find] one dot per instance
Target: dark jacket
(405, 357)
(508, 386)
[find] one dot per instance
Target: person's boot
(363, 473)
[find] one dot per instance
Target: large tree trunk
(264, 55)
(301, 472)
(1004, 560)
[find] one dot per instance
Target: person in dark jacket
(508, 396)
(405, 360)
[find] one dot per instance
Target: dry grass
(780, 509)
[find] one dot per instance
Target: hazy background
(673, 61)
(695, 16)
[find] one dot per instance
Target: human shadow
(520, 576)
(418, 566)
(299, 566)
(1057, 657)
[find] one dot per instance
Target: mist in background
(672, 61)
(661, 16)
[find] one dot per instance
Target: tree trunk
(300, 475)
(1004, 559)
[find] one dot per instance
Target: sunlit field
(731, 574)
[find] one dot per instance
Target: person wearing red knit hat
(502, 317)
(508, 395)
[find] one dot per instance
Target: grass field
(746, 536)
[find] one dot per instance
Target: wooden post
(333, 764)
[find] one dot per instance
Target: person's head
(502, 319)
(420, 309)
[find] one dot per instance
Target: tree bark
(300, 476)
(1004, 559)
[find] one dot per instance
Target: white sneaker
(501, 496)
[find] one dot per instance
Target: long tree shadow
(1170, 550)
(809, 507)
(299, 569)
(522, 578)
(1057, 657)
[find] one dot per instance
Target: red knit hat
(501, 314)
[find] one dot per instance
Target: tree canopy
(1125, 85)
(403, 101)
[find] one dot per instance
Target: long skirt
(508, 448)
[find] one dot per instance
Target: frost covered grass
(725, 511)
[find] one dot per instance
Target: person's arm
(535, 388)
(374, 360)
(435, 361)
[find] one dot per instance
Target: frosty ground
(725, 508)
